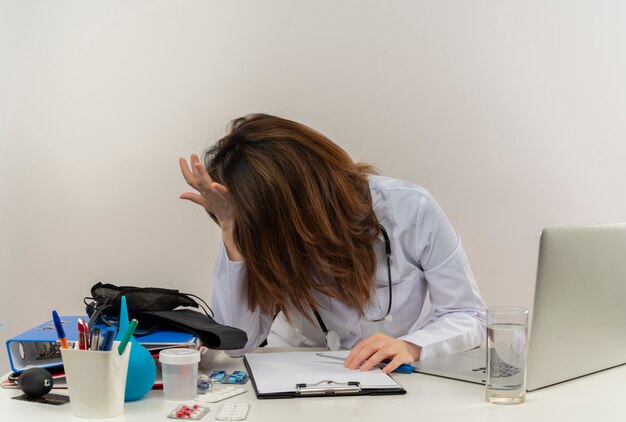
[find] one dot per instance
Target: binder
(306, 374)
(39, 347)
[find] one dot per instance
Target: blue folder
(38, 347)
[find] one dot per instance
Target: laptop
(578, 325)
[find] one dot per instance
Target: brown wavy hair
(303, 216)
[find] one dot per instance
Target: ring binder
(329, 387)
(39, 347)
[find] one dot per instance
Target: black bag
(156, 308)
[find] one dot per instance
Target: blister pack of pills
(220, 394)
(184, 411)
(218, 376)
(232, 412)
(237, 377)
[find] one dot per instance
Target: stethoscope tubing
(331, 336)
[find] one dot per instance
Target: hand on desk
(378, 347)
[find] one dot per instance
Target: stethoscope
(333, 342)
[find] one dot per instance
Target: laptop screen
(578, 322)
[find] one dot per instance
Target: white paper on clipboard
(281, 372)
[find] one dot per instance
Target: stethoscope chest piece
(333, 342)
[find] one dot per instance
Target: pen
(109, 337)
(94, 339)
(60, 332)
(126, 336)
(405, 368)
(83, 335)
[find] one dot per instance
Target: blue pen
(59, 327)
(109, 338)
(405, 368)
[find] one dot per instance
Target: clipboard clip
(329, 387)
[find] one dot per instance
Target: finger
(361, 353)
(220, 190)
(393, 365)
(352, 360)
(202, 177)
(349, 360)
(195, 159)
(364, 350)
(375, 359)
(187, 174)
(194, 197)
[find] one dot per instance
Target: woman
(317, 247)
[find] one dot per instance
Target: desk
(597, 397)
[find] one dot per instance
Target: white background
(512, 113)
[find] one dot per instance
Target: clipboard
(305, 374)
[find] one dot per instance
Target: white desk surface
(597, 397)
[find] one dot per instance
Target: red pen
(83, 335)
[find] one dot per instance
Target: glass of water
(507, 330)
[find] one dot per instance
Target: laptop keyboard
(500, 368)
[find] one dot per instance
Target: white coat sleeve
(458, 311)
(229, 301)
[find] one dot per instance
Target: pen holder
(96, 381)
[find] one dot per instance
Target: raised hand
(214, 198)
(210, 195)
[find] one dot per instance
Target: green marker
(126, 336)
